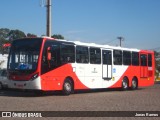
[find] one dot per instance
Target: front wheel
(67, 87)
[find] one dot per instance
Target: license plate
(20, 85)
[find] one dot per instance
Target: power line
(110, 41)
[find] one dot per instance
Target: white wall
(3, 61)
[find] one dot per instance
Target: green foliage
(157, 64)
(4, 33)
(57, 36)
(31, 35)
(16, 34)
(3, 37)
(7, 36)
(156, 53)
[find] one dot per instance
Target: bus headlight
(34, 76)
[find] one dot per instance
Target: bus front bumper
(30, 84)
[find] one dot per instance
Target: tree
(4, 33)
(31, 35)
(57, 36)
(156, 53)
(16, 34)
(7, 36)
(3, 38)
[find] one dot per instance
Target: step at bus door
(107, 64)
(143, 65)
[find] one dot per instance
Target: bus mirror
(49, 53)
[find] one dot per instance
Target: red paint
(145, 75)
(54, 79)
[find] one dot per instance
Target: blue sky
(98, 21)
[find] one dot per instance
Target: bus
(48, 64)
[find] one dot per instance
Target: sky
(93, 21)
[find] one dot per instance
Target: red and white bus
(50, 64)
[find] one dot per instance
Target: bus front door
(107, 64)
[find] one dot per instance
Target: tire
(125, 84)
(134, 84)
(1, 86)
(67, 87)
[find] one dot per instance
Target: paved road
(143, 99)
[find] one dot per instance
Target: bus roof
(94, 44)
(99, 45)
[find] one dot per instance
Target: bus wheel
(125, 84)
(134, 84)
(67, 87)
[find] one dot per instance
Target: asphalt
(143, 99)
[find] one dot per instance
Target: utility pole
(120, 40)
(48, 27)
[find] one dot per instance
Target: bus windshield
(24, 54)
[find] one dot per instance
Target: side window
(59, 54)
(135, 58)
(55, 56)
(67, 53)
(82, 55)
(143, 60)
(95, 56)
(55, 62)
(126, 58)
(117, 56)
(149, 60)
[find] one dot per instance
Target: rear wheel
(134, 84)
(67, 87)
(125, 84)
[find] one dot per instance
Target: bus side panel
(54, 79)
(130, 72)
(149, 76)
(134, 71)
